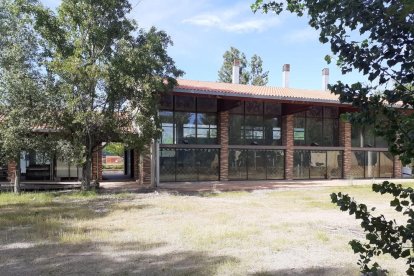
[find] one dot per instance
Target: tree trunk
(17, 178)
(86, 173)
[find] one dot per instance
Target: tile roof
(251, 91)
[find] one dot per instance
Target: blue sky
(203, 30)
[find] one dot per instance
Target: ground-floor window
(370, 164)
(256, 164)
(317, 164)
(189, 164)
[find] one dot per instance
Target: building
(227, 131)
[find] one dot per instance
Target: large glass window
(371, 164)
(256, 164)
(254, 123)
(191, 121)
(186, 164)
(316, 127)
(167, 124)
(317, 164)
(364, 136)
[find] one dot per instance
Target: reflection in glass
(275, 162)
(371, 164)
(317, 164)
(167, 125)
(256, 164)
(357, 164)
(186, 169)
(206, 105)
(185, 103)
(236, 133)
(314, 131)
(334, 164)
(254, 133)
(356, 136)
(237, 164)
(206, 128)
(299, 131)
(207, 164)
(186, 127)
(330, 132)
(167, 164)
(387, 164)
(254, 108)
(301, 159)
(273, 134)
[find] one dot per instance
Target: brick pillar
(136, 164)
(287, 141)
(97, 164)
(147, 178)
(397, 167)
(224, 143)
(11, 170)
(345, 129)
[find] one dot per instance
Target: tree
(115, 149)
(254, 75)
(377, 39)
(257, 76)
(107, 73)
(24, 94)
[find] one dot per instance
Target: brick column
(345, 129)
(397, 167)
(97, 164)
(287, 141)
(11, 170)
(136, 164)
(147, 178)
(224, 143)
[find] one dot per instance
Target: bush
(113, 167)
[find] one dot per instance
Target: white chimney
(325, 78)
(285, 75)
(236, 72)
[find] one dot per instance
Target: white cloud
(302, 35)
(237, 19)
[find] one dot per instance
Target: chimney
(285, 75)
(325, 78)
(236, 72)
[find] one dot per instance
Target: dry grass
(282, 232)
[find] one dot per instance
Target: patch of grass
(9, 199)
(322, 236)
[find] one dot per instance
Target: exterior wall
(97, 164)
(224, 143)
(345, 141)
(287, 141)
(11, 170)
(144, 167)
(397, 167)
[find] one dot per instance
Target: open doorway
(116, 162)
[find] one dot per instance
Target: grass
(277, 232)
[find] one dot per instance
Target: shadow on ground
(34, 241)
(313, 271)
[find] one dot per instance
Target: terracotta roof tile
(251, 91)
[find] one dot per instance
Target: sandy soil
(285, 232)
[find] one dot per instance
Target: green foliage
(114, 149)
(101, 75)
(250, 73)
(376, 38)
(382, 236)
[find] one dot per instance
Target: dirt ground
(281, 232)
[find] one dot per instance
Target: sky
(202, 30)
